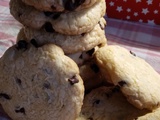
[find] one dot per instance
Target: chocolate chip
(22, 44)
(72, 5)
(109, 94)
(122, 83)
(116, 89)
(53, 7)
(132, 53)
(18, 81)
(19, 14)
(81, 56)
(83, 34)
(47, 85)
(90, 52)
(90, 118)
(73, 80)
(34, 43)
(96, 102)
(56, 15)
(48, 27)
(4, 95)
(95, 68)
(20, 110)
(53, 15)
(48, 13)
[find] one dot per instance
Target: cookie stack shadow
(61, 67)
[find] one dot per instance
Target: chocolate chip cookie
(70, 44)
(138, 81)
(70, 23)
(108, 103)
(40, 83)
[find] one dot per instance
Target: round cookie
(70, 23)
(108, 103)
(60, 5)
(40, 83)
(70, 44)
(139, 82)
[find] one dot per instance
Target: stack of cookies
(77, 26)
(62, 69)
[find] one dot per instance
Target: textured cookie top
(108, 103)
(139, 82)
(39, 83)
(70, 23)
(60, 5)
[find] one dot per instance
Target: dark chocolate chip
(83, 34)
(20, 110)
(90, 52)
(116, 89)
(47, 85)
(133, 53)
(48, 27)
(34, 43)
(95, 68)
(73, 80)
(96, 102)
(4, 95)
(90, 118)
(81, 56)
(22, 44)
(53, 7)
(48, 13)
(122, 83)
(71, 5)
(19, 14)
(18, 81)
(53, 15)
(109, 94)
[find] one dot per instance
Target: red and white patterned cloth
(147, 11)
(142, 39)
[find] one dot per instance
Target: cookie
(92, 77)
(70, 44)
(60, 5)
(70, 23)
(108, 103)
(154, 115)
(79, 57)
(139, 82)
(40, 83)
